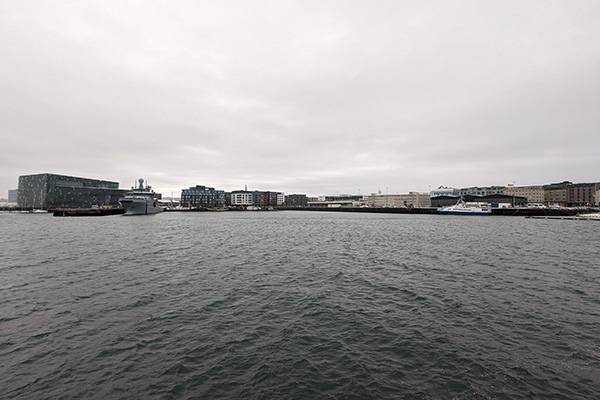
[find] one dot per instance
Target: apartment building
(533, 193)
(202, 196)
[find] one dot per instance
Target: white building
(533, 193)
(411, 199)
(241, 198)
(280, 198)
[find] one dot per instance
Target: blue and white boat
(140, 201)
(462, 208)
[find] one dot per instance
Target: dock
(512, 212)
(376, 210)
(87, 212)
(575, 217)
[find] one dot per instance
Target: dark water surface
(299, 305)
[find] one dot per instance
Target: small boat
(592, 216)
(140, 201)
(462, 208)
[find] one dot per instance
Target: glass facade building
(202, 196)
(13, 196)
(50, 191)
(296, 200)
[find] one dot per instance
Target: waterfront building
(13, 195)
(245, 198)
(582, 194)
(444, 191)
(337, 201)
(271, 199)
(202, 196)
(481, 191)
(242, 198)
(296, 200)
(571, 194)
(411, 199)
(344, 197)
(556, 193)
(533, 193)
(51, 191)
(319, 202)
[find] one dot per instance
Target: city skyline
(441, 188)
(301, 97)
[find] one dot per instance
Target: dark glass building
(12, 196)
(202, 196)
(50, 191)
(296, 200)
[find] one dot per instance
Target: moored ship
(462, 208)
(141, 200)
(593, 216)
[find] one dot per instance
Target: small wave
(177, 369)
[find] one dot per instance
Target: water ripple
(299, 305)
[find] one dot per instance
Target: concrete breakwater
(520, 212)
(531, 212)
(382, 210)
(87, 212)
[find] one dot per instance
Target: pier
(516, 212)
(87, 212)
(550, 213)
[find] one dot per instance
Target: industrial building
(411, 199)
(533, 193)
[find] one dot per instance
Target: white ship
(592, 216)
(462, 208)
(140, 201)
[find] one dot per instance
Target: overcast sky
(315, 97)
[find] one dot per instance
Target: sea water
(298, 305)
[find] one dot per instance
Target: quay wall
(520, 212)
(87, 212)
(383, 210)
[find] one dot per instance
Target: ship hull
(463, 212)
(140, 206)
(461, 208)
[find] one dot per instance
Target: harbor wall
(522, 212)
